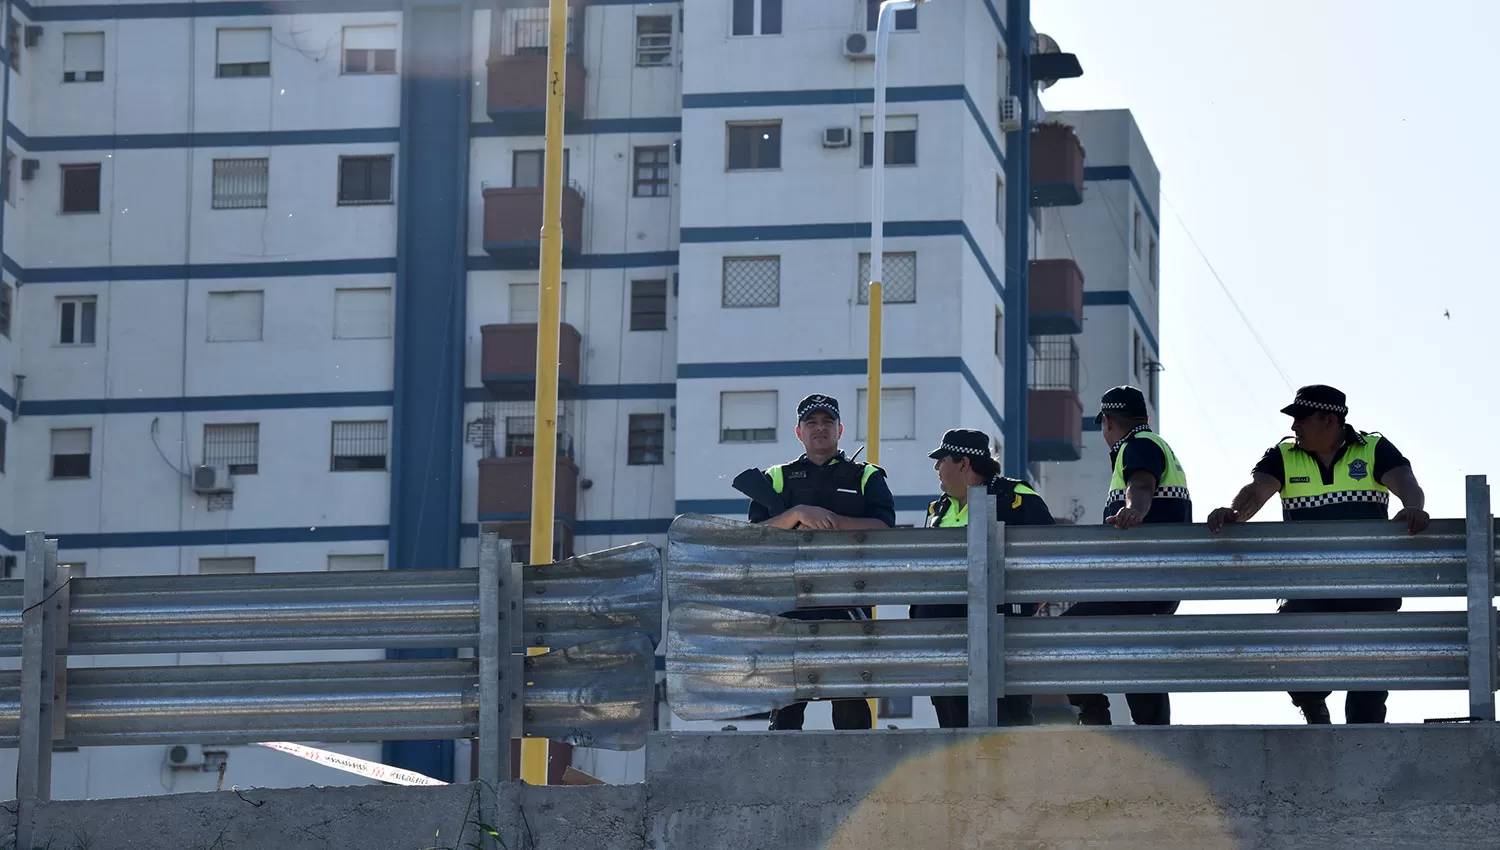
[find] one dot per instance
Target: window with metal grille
(7, 300)
(1054, 363)
(83, 57)
(906, 19)
(244, 52)
(359, 446)
(899, 271)
(648, 439)
(75, 320)
(529, 168)
(226, 566)
(898, 413)
(80, 188)
(900, 140)
(526, 31)
(370, 50)
(365, 179)
(241, 184)
(648, 305)
(72, 451)
(753, 146)
(653, 41)
(507, 429)
(520, 436)
(747, 417)
(234, 446)
(653, 172)
(752, 281)
(895, 707)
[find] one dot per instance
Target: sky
(1331, 160)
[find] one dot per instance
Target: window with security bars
(525, 31)
(648, 305)
(508, 429)
(747, 417)
(241, 184)
(653, 41)
(520, 436)
(653, 172)
(359, 446)
(235, 446)
(899, 273)
(752, 281)
(1054, 363)
(647, 440)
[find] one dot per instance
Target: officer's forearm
(1247, 502)
(786, 519)
(1138, 496)
(1404, 484)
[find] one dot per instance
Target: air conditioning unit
(858, 47)
(29, 168)
(837, 137)
(33, 35)
(1010, 113)
(185, 756)
(212, 479)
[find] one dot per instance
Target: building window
(363, 313)
(234, 446)
(13, 43)
(1137, 354)
(520, 436)
(355, 563)
(898, 413)
(653, 172)
(653, 41)
(528, 169)
(900, 283)
(525, 303)
(236, 316)
(80, 188)
(1135, 237)
(896, 708)
(754, 146)
(747, 417)
(906, 19)
(1000, 202)
(756, 17)
(10, 176)
(72, 449)
(370, 50)
(1151, 258)
(648, 441)
(365, 179)
(226, 566)
(244, 52)
(900, 140)
(4, 428)
(359, 446)
(83, 57)
(7, 300)
(648, 305)
(752, 281)
(75, 320)
(999, 335)
(241, 184)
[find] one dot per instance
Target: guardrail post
(1480, 527)
(38, 668)
(495, 620)
(986, 591)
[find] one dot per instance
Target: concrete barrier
(1122, 788)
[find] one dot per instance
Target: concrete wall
(1204, 788)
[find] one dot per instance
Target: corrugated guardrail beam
(723, 664)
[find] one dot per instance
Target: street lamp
(888, 10)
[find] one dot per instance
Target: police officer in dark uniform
(1147, 484)
(824, 490)
(1330, 471)
(963, 460)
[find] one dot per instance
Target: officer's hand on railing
(816, 518)
(1126, 518)
(1218, 517)
(1416, 519)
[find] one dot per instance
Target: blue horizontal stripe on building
(843, 230)
(216, 537)
(233, 9)
(1122, 298)
(1099, 173)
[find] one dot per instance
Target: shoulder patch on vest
(1358, 469)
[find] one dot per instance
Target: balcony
(1054, 415)
(518, 67)
(1054, 297)
(513, 224)
(505, 490)
(1056, 166)
(507, 359)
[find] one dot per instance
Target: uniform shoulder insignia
(1016, 502)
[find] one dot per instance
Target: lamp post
(883, 23)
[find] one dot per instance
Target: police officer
(1147, 485)
(1330, 471)
(963, 460)
(823, 490)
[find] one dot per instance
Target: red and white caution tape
(350, 764)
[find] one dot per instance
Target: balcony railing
(1054, 415)
(518, 65)
(513, 223)
(1054, 364)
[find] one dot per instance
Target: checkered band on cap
(1302, 503)
(1319, 405)
(1119, 405)
(963, 450)
(811, 408)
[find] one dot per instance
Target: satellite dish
(1045, 44)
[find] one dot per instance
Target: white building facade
(296, 243)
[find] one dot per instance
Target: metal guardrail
(728, 655)
(600, 613)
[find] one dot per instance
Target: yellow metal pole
(544, 459)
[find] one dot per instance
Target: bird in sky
(1445, 315)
